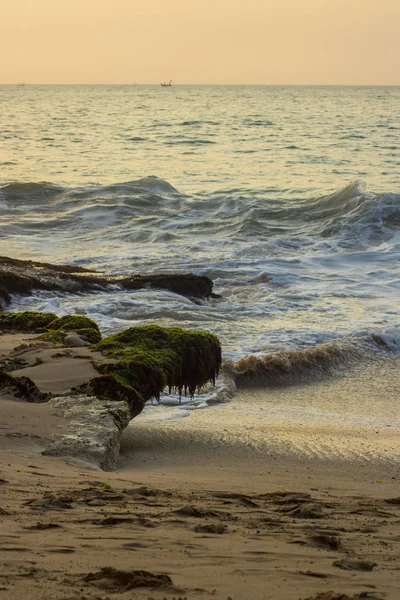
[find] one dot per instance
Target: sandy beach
(190, 516)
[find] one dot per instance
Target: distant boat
(166, 83)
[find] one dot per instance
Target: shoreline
(202, 514)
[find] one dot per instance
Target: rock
(52, 328)
(92, 431)
(151, 358)
(353, 564)
(109, 387)
(73, 340)
(24, 276)
(22, 387)
(114, 580)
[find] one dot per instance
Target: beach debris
(352, 564)
(395, 501)
(302, 511)
(326, 542)
(42, 526)
(113, 579)
(316, 574)
(218, 528)
(111, 521)
(338, 596)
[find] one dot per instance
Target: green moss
(73, 323)
(53, 337)
(26, 322)
(114, 388)
(151, 358)
(83, 326)
(53, 328)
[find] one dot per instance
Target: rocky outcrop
(53, 329)
(21, 387)
(25, 276)
(133, 366)
(92, 431)
(150, 358)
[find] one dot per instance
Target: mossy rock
(73, 323)
(26, 322)
(22, 387)
(111, 387)
(52, 327)
(83, 326)
(151, 358)
(53, 337)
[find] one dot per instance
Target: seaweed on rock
(26, 322)
(147, 359)
(150, 358)
(52, 327)
(111, 387)
(83, 326)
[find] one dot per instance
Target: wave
(349, 218)
(288, 367)
(294, 366)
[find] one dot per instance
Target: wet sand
(202, 514)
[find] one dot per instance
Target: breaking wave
(289, 367)
(351, 217)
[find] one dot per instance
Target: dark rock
(22, 387)
(218, 528)
(325, 542)
(352, 564)
(24, 276)
(151, 358)
(123, 581)
(110, 388)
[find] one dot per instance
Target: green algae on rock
(83, 326)
(150, 358)
(53, 328)
(26, 322)
(145, 360)
(111, 387)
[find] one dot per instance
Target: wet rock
(24, 276)
(151, 358)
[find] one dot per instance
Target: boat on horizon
(166, 83)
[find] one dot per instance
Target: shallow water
(352, 417)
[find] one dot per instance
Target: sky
(338, 42)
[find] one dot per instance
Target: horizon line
(25, 83)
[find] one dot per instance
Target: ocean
(288, 198)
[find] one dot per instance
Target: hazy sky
(200, 41)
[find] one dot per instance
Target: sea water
(288, 198)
